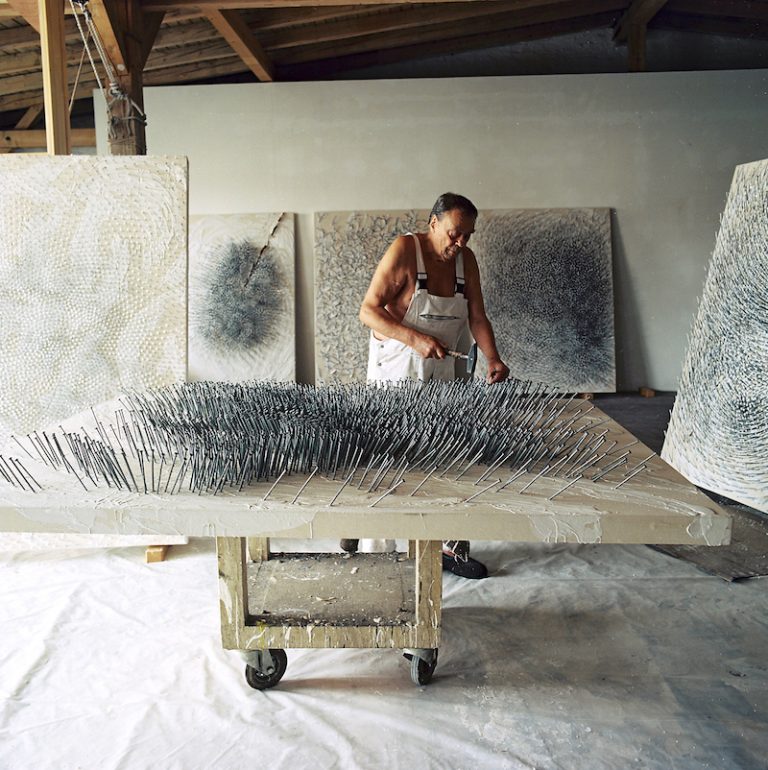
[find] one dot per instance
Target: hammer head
(472, 359)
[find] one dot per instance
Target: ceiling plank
(747, 29)
(29, 118)
(55, 97)
(16, 139)
(236, 32)
(739, 9)
(206, 5)
(204, 53)
(640, 12)
(28, 10)
(482, 26)
(411, 16)
(501, 37)
(26, 37)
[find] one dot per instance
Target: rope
(114, 95)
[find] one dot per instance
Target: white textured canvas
(547, 281)
(241, 297)
(92, 281)
(718, 432)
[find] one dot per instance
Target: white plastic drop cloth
(568, 657)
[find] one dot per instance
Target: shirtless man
(425, 291)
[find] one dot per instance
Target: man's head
(451, 223)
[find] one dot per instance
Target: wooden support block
(647, 392)
(155, 553)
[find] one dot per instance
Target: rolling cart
(272, 602)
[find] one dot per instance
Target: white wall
(658, 148)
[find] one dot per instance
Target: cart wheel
(421, 671)
(268, 671)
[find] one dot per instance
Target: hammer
(470, 358)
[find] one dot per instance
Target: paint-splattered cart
(270, 602)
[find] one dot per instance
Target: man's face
(452, 232)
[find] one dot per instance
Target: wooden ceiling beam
(236, 32)
(15, 139)
(54, 64)
(639, 13)
(482, 26)
(500, 37)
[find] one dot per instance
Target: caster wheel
(268, 671)
(421, 671)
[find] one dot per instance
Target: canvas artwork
(92, 281)
(348, 246)
(718, 432)
(547, 282)
(241, 297)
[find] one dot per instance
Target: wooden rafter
(236, 32)
(639, 13)
(55, 96)
(15, 139)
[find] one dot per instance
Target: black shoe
(349, 545)
(471, 569)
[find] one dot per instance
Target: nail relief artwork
(348, 246)
(92, 281)
(718, 432)
(241, 297)
(547, 279)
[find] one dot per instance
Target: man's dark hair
(450, 201)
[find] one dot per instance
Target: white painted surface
(658, 148)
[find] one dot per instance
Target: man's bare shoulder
(401, 255)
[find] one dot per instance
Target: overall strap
(421, 271)
(459, 274)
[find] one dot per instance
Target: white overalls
(444, 318)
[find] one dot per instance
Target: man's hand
(428, 347)
(498, 371)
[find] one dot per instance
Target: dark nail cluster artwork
(241, 297)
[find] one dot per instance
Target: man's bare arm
(392, 275)
(479, 324)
